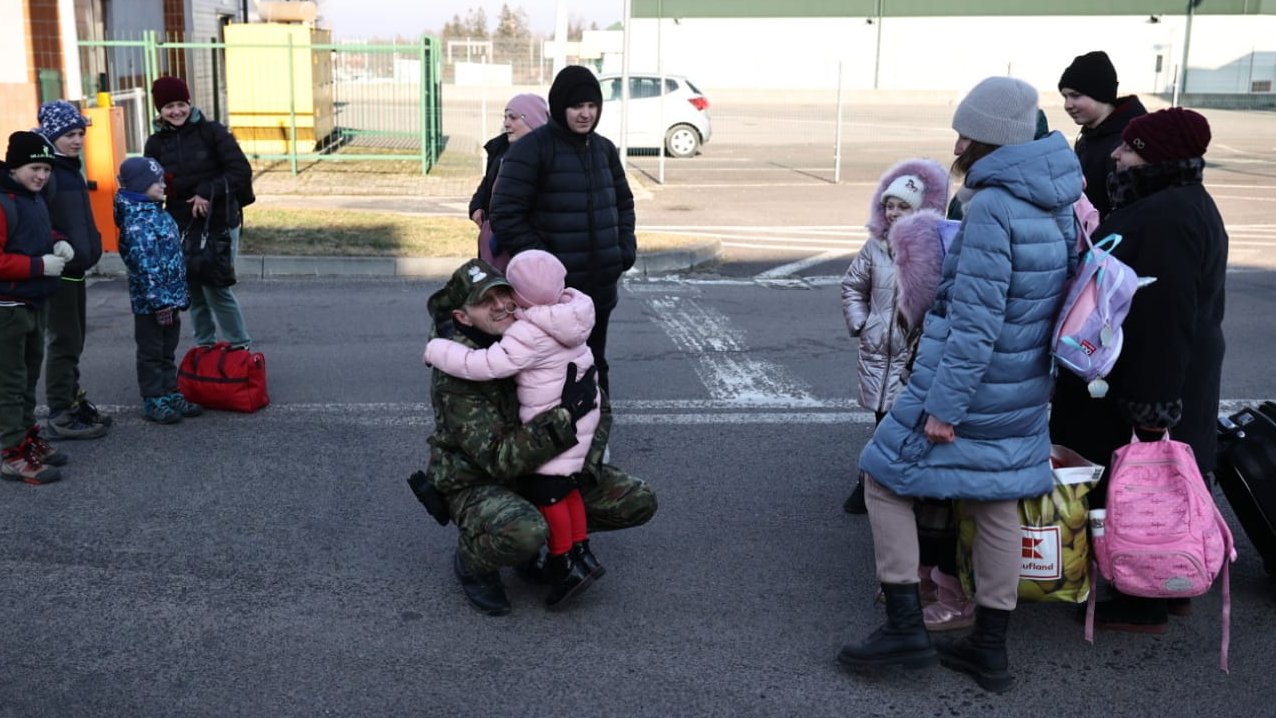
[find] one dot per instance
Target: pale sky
(366, 18)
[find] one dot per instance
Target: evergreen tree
(512, 24)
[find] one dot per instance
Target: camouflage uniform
(479, 450)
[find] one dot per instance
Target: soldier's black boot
(567, 579)
(585, 557)
(982, 653)
(484, 591)
(903, 641)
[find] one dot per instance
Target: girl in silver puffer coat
(869, 288)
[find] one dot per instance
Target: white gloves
(62, 248)
(53, 265)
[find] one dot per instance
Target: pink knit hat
(531, 108)
(537, 278)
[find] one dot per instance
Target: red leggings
(566, 521)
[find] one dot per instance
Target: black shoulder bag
(208, 255)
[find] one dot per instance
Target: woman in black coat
(563, 189)
(1168, 375)
(206, 174)
(524, 113)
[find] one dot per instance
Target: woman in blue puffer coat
(972, 422)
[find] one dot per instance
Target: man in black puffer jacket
(562, 188)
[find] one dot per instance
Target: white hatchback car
(676, 119)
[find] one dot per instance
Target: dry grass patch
(358, 233)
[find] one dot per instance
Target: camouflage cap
(467, 286)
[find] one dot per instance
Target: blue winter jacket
(983, 363)
(151, 248)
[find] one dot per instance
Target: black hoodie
(566, 193)
(1095, 147)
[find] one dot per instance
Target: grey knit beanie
(998, 111)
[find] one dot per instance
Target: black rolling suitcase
(1246, 471)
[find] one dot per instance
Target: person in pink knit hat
(549, 334)
(524, 113)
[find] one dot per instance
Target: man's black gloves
(430, 498)
(580, 397)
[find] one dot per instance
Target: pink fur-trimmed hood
(918, 252)
(932, 174)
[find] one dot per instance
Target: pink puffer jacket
(535, 350)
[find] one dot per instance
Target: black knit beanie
(27, 148)
(573, 85)
(1092, 74)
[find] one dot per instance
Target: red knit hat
(169, 89)
(1168, 135)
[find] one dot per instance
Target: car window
(694, 88)
(643, 87)
(611, 90)
(670, 85)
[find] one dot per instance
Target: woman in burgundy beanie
(209, 180)
(1168, 376)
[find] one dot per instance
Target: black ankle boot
(982, 653)
(903, 641)
(567, 579)
(585, 557)
(533, 571)
(854, 504)
(484, 591)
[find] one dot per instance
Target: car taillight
(700, 103)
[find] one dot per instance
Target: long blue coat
(983, 363)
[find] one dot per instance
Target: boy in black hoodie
(563, 189)
(1089, 89)
(71, 415)
(30, 263)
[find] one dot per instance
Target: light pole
(1187, 44)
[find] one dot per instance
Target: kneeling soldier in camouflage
(480, 454)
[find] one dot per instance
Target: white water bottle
(1097, 519)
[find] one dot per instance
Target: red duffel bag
(219, 377)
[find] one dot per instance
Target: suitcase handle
(222, 350)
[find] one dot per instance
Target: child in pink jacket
(552, 325)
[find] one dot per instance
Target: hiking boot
(68, 424)
(158, 410)
(43, 451)
(982, 653)
(903, 641)
(182, 406)
(88, 413)
(951, 610)
(19, 464)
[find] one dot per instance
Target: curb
(272, 266)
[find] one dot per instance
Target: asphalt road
(276, 563)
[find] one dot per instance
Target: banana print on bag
(1056, 542)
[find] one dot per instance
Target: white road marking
(722, 358)
(674, 412)
(785, 270)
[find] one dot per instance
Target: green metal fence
(343, 101)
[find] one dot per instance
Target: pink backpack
(1163, 536)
